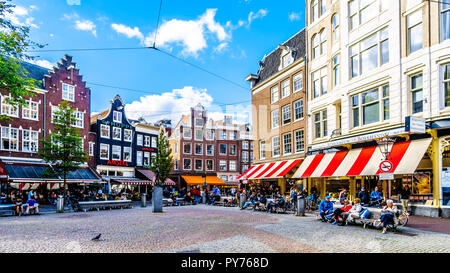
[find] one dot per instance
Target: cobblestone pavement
(202, 229)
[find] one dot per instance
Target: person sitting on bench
(375, 196)
(251, 201)
(279, 202)
(341, 212)
(387, 215)
(32, 204)
(325, 208)
(353, 213)
(18, 203)
(261, 201)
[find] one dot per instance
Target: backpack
(364, 214)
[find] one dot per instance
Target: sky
(225, 37)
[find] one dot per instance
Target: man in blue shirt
(376, 195)
(325, 208)
(31, 204)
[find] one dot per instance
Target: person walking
(404, 197)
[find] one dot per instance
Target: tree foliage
(63, 147)
(162, 164)
(14, 44)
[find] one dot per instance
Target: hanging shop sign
(415, 124)
(386, 176)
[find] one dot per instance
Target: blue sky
(225, 37)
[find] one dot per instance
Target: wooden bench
(10, 209)
(110, 204)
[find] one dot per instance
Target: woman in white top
(353, 213)
(388, 214)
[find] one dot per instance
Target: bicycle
(403, 218)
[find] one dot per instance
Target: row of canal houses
(119, 149)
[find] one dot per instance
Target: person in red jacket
(341, 212)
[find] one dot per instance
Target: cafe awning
(199, 180)
(132, 181)
(148, 174)
(271, 170)
(405, 157)
(244, 175)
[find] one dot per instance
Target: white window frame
(275, 121)
(31, 140)
(130, 132)
(117, 116)
(190, 164)
(28, 112)
(299, 140)
(106, 127)
(276, 149)
(130, 157)
(68, 92)
(195, 148)
(322, 122)
(262, 149)
(148, 157)
(301, 111)
(286, 115)
(190, 148)
(154, 141)
(10, 138)
(416, 90)
(196, 136)
(103, 145)
(195, 164)
(91, 148)
(245, 156)
(139, 157)
(226, 149)
(140, 140)
(147, 140)
(287, 144)
(206, 152)
(197, 125)
(206, 165)
(211, 136)
(298, 79)
(245, 145)
(235, 149)
(113, 153)
(415, 25)
(381, 101)
(232, 167)
(443, 83)
(114, 133)
(274, 94)
(7, 109)
(187, 133)
(285, 88)
(224, 164)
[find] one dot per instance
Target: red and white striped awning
(244, 175)
(405, 157)
(132, 181)
(271, 170)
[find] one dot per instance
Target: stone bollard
(144, 200)
(203, 197)
(300, 206)
(241, 200)
(60, 204)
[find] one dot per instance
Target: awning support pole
(436, 159)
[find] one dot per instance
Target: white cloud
(295, 16)
(86, 25)
(43, 63)
(73, 2)
(20, 16)
(172, 105)
(220, 48)
(128, 31)
(259, 14)
(190, 34)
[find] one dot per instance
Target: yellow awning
(198, 180)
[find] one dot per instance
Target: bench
(110, 204)
(10, 209)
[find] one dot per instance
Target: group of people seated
(348, 212)
(16, 198)
(262, 202)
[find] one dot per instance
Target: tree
(63, 147)
(162, 164)
(14, 43)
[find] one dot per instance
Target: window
(323, 7)
(187, 164)
(187, 133)
(209, 134)
(315, 41)
(336, 70)
(199, 135)
(363, 13)
(298, 109)
(232, 149)
(127, 135)
(275, 118)
(370, 53)
(285, 88)
(287, 143)
(245, 145)
(275, 146)
(251, 157)
(223, 149)
(68, 92)
(445, 21)
(366, 10)
(7, 109)
(299, 141)
(30, 110)
(9, 138)
(298, 82)
(223, 135)
(117, 133)
(104, 151)
(116, 152)
(147, 141)
(245, 156)
(175, 164)
(274, 96)
(198, 149)
(286, 60)
(233, 136)
(187, 148)
(127, 154)
(175, 148)
(319, 82)
(209, 149)
(251, 145)
(414, 31)
(371, 106)
(139, 158)
(209, 164)
(78, 119)
(446, 84)
(314, 10)
(140, 140)
(320, 124)
(223, 165)
(335, 27)
(154, 140)
(232, 166)
(91, 148)
(198, 164)
(199, 122)
(286, 114)
(146, 159)
(323, 40)
(262, 149)
(417, 93)
(29, 141)
(117, 116)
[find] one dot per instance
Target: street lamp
(385, 144)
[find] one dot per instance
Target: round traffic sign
(386, 166)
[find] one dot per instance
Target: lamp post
(385, 145)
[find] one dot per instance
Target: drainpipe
(400, 61)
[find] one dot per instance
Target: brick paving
(202, 229)
(429, 223)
